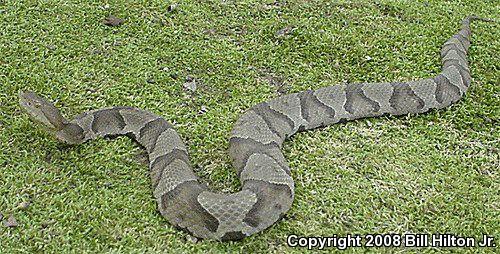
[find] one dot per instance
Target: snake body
(255, 141)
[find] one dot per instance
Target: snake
(255, 142)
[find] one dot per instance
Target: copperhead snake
(255, 141)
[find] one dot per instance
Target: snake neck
(70, 133)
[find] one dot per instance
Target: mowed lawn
(432, 173)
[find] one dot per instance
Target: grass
(437, 172)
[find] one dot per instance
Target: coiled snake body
(255, 142)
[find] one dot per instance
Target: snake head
(41, 111)
(45, 113)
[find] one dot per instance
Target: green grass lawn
(437, 172)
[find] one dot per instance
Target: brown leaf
(113, 21)
(11, 222)
(24, 205)
(1, 216)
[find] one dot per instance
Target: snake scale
(255, 141)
